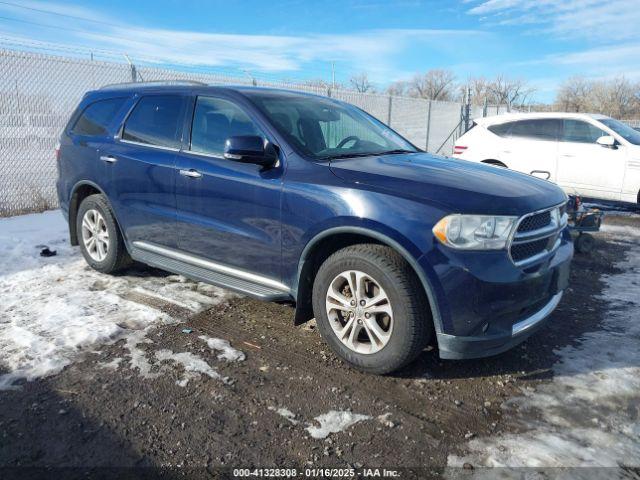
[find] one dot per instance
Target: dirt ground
(90, 416)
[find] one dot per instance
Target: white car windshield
(624, 130)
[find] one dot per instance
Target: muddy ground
(90, 416)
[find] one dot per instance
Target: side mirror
(250, 149)
(606, 141)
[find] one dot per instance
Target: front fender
(385, 235)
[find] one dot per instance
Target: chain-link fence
(633, 122)
(38, 92)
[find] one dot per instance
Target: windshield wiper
(349, 155)
(367, 154)
(398, 150)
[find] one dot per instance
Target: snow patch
(54, 309)
(228, 353)
(113, 364)
(333, 422)
(286, 413)
(192, 364)
(588, 415)
(621, 230)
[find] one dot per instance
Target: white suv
(590, 155)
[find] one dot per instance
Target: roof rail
(156, 83)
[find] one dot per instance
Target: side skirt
(202, 270)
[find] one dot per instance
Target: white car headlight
(475, 232)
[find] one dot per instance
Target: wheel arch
(80, 191)
(324, 244)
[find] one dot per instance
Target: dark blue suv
(291, 197)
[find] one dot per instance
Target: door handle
(567, 155)
(191, 173)
(108, 158)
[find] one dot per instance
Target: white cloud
(375, 51)
(594, 20)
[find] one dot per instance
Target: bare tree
(574, 94)
(317, 82)
(617, 97)
(361, 83)
(512, 92)
(433, 85)
(480, 92)
(398, 88)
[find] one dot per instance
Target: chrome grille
(537, 235)
(535, 222)
(522, 251)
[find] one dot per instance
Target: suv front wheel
(99, 236)
(370, 308)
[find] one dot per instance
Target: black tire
(412, 327)
(585, 243)
(117, 256)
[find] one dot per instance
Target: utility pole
(333, 75)
(467, 110)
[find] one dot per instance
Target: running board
(202, 270)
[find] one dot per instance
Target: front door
(228, 212)
(587, 168)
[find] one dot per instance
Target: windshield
(325, 129)
(624, 130)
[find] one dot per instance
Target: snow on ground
(52, 309)
(228, 353)
(193, 365)
(588, 414)
(621, 231)
(286, 413)
(334, 422)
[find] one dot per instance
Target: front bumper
(487, 305)
(457, 348)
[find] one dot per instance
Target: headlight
(475, 232)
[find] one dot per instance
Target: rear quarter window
(502, 129)
(96, 117)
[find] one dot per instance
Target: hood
(457, 185)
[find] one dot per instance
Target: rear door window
(215, 120)
(156, 120)
(96, 117)
(578, 131)
(538, 129)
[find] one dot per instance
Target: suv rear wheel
(99, 236)
(370, 308)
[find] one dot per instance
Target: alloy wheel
(95, 235)
(359, 312)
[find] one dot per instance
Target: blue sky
(541, 41)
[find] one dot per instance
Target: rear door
(228, 211)
(142, 165)
(587, 168)
(86, 138)
(531, 146)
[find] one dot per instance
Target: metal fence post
(389, 110)
(467, 110)
(426, 147)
